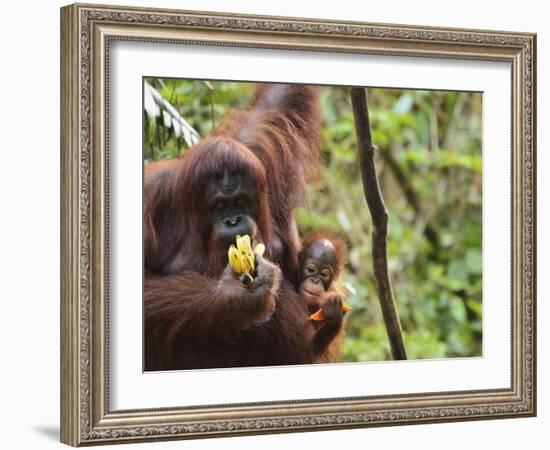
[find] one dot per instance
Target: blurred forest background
(429, 164)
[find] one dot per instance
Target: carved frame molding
(86, 31)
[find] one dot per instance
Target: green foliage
(201, 103)
(429, 165)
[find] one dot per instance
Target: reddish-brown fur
(337, 242)
(196, 315)
(282, 128)
(329, 334)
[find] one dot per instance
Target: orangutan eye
(310, 270)
(325, 274)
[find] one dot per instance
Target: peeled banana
(320, 315)
(241, 258)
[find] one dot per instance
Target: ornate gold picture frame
(87, 32)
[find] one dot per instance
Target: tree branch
(379, 216)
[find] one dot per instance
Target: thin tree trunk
(379, 216)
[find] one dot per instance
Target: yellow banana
(259, 249)
(234, 260)
(241, 258)
(247, 263)
(243, 242)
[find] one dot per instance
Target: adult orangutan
(244, 179)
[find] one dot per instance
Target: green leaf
(458, 311)
(404, 104)
(457, 271)
(474, 261)
(475, 306)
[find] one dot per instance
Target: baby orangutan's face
(317, 271)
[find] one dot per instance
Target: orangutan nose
(232, 221)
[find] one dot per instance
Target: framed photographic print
(276, 225)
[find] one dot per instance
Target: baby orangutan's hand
(332, 308)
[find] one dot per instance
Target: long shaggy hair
(193, 317)
(174, 216)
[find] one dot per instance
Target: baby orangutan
(321, 261)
